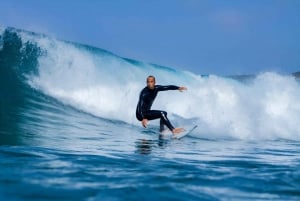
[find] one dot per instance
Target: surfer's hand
(145, 122)
(181, 89)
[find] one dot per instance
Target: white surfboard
(179, 135)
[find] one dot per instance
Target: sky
(203, 36)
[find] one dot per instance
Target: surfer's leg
(165, 120)
(155, 114)
(161, 125)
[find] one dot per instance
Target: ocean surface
(68, 129)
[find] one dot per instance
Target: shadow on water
(145, 146)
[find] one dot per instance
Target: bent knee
(164, 113)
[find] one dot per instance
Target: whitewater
(68, 128)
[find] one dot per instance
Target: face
(150, 82)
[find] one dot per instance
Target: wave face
(105, 85)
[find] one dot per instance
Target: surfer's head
(151, 82)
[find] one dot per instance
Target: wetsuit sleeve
(167, 87)
(139, 109)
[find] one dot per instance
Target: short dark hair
(151, 76)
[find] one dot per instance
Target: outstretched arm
(170, 87)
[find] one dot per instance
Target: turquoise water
(68, 132)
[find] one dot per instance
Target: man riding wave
(146, 99)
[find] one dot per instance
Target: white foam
(108, 86)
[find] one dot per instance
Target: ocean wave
(103, 84)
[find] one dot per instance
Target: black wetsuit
(143, 109)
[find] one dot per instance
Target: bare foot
(177, 130)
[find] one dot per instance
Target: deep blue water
(95, 162)
(53, 147)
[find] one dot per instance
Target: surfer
(147, 96)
